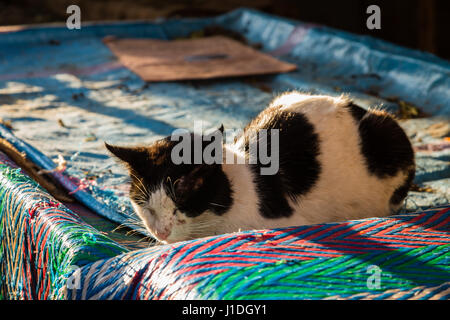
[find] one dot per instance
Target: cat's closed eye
(149, 211)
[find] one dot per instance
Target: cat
(337, 161)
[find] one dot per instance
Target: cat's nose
(162, 234)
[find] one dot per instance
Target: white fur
(345, 189)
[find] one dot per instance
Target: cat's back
(337, 160)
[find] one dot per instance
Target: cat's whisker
(151, 241)
(141, 187)
(172, 189)
(218, 205)
(204, 228)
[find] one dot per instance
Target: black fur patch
(203, 187)
(357, 112)
(384, 144)
(401, 192)
(299, 167)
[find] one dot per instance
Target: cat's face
(175, 201)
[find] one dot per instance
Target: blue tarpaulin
(65, 93)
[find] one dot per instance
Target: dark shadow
(79, 98)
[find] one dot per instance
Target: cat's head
(175, 201)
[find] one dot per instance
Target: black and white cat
(337, 161)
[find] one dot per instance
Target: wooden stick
(35, 172)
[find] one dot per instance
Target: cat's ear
(133, 156)
(217, 134)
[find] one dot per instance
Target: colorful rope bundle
(42, 242)
(401, 257)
